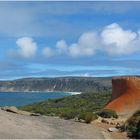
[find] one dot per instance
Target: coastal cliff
(70, 84)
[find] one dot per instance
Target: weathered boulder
(125, 98)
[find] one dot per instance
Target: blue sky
(52, 39)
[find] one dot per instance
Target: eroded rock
(125, 98)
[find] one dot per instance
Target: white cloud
(117, 41)
(62, 47)
(27, 47)
(114, 34)
(112, 40)
(48, 52)
(86, 75)
(86, 46)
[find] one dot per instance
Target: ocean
(24, 98)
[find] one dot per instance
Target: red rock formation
(125, 98)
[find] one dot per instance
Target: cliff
(125, 98)
(71, 84)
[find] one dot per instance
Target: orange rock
(125, 98)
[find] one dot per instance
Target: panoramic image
(69, 70)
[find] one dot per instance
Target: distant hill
(71, 84)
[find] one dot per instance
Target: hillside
(71, 106)
(72, 84)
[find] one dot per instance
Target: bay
(24, 98)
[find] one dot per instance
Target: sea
(25, 98)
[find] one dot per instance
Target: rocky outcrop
(125, 98)
(15, 110)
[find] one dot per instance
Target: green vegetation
(133, 126)
(87, 116)
(90, 117)
(108, 113)
(82, 106)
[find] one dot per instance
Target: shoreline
(72, 93)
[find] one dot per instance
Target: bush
(81, 116)
(108, 113)
(90, 117)
(137, 113)
(133, 126)
(87, 116)
(68, 114)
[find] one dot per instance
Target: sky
(52, 39)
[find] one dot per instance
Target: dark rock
(105, 121)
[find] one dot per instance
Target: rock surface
(113, 129)
(13, 109)
(125, 98)
(17, 126)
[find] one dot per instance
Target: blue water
(22, 98)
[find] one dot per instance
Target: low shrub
(81, 116)
(133, 126)
(108, 113)
(137, 113)
(68, 114)
(88, 117)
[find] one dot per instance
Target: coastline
(72, 93)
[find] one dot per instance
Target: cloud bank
(29, 23)
(112, 40)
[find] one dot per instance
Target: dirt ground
(113, 135)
